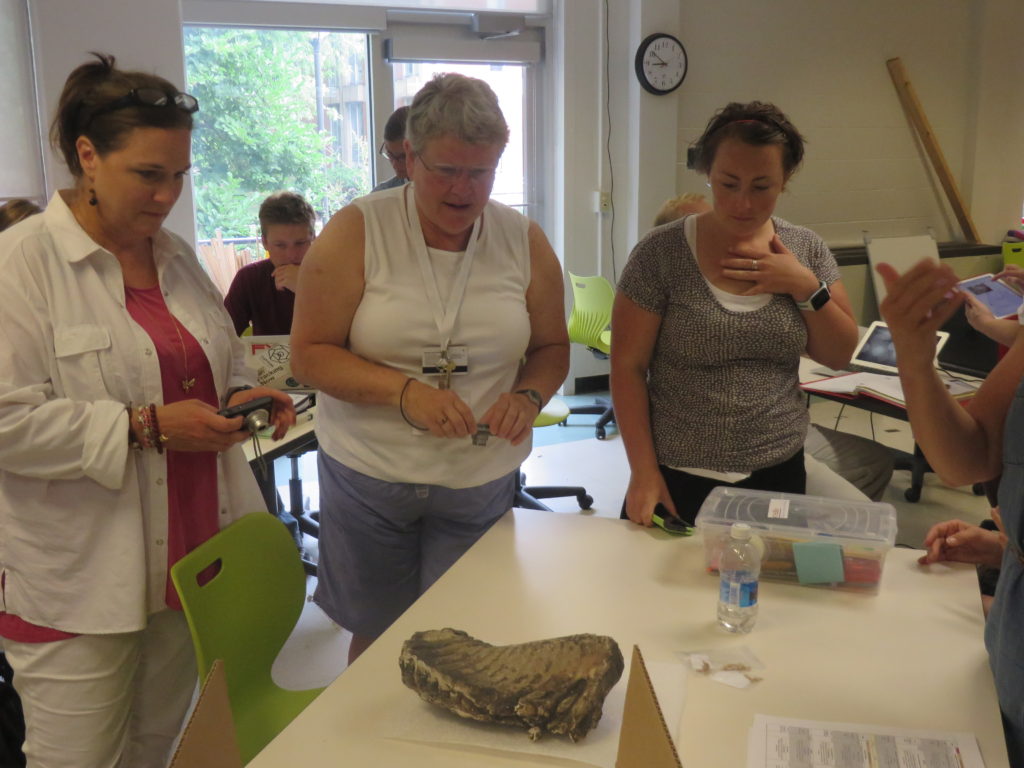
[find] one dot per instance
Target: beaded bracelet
(159, 438)
(401, 407)
(133, 442)
(149, 426)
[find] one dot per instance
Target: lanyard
(444, 317)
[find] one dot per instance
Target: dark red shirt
(253, 298)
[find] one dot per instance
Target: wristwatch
(534, 397)
(816, 300)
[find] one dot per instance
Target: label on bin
(778, 509)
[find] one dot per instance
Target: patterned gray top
(724, 388)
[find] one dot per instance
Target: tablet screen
(876, 350)
(1002, 300)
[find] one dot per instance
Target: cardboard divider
(644, 740)
(209, 737)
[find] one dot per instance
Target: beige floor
(316, 653)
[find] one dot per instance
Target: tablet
(998, 296)
(875, 352)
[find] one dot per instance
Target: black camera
(255, 413)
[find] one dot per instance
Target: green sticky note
(818, 562)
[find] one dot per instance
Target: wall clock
(660, 63)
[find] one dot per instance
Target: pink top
(191, 475)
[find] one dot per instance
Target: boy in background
(263, 293)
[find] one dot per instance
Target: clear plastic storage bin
(807, 539)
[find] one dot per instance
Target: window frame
(436, 35)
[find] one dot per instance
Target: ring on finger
(753, 264)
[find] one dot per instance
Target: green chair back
(243, 615)
(591, 313)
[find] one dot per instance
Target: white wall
(825, 65)
(996, 184)
(142, 34)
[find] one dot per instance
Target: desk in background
(915, 461)
(911, 656)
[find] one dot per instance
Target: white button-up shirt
(83, 519)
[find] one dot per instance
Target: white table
(911, 656)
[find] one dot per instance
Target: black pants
(689, 491)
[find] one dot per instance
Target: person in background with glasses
(432, 321)
(393, 148)
(115, 355)
(262, 294)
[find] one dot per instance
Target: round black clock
(660, 63)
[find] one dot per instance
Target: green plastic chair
(243, 615)
(590, 325)
(591, 316)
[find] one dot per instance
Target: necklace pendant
(187, 384)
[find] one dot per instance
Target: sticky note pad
(818, 562)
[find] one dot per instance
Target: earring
(92, 197)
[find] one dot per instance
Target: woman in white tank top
(431, 319)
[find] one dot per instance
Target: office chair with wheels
(528, 496)
(590, 325)
(242, 614)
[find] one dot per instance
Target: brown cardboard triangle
(645, 740)
(209, 738)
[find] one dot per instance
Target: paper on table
(777, 742)
(415, 720)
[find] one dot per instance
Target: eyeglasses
(451, 173)
(148, 97)
(383, 151)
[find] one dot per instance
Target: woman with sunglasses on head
(431, 319)
(115, 356)
(711, 316)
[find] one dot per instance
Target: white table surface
(911, 656)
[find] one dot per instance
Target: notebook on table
(271, 358)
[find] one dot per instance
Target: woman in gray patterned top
(711, 316)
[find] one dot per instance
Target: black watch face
(820, 298)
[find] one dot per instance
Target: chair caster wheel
(600, 433)
(585, 501)
(912, 494)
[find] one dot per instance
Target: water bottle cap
(740, 531)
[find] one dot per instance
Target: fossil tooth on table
(557, 685)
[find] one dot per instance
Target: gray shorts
(383, 544)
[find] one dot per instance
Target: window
(507, 81)
(279, 109)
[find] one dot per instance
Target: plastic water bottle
(739, 568)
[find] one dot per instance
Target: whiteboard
(901, 252)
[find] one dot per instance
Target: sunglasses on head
(149, 97)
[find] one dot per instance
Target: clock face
(660, 63)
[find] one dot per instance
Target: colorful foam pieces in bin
(818, 562)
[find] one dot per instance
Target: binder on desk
(881, 387)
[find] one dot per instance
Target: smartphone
(1001, 298)
(255, 413)
(669, 523)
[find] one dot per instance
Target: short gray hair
(453, 104)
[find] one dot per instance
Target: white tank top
(394, 323)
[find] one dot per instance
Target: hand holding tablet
(999, 296)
